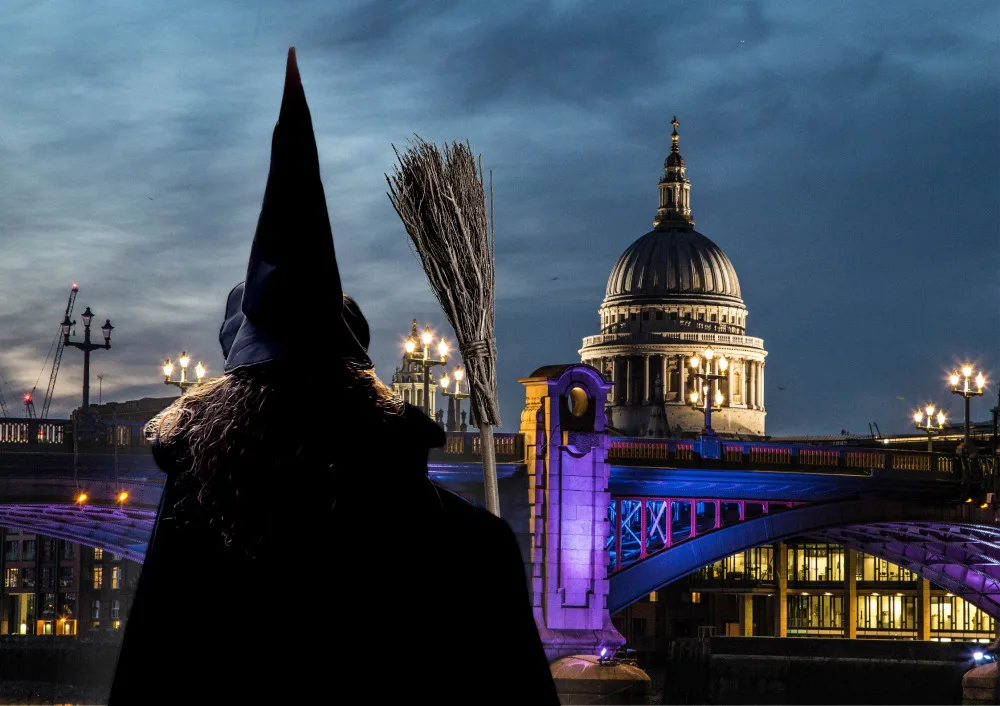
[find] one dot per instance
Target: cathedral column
(647, 369)
(753, 383)
(761, 384)
(628, 379)
(682, 393)
(665, 371)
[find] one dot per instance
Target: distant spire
(675, 190)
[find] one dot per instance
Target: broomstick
(441, 200)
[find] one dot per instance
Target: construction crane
(60, 346)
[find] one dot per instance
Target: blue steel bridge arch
(46, 506)
(956, 547)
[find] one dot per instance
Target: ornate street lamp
(929, 426)
(86, 346)
(455, 398)
(709, 397)
(961, 384)
(424, 360)
(183, 383)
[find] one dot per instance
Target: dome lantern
(675, 189)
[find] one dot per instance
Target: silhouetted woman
(301, 554)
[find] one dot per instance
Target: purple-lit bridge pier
(602, 521)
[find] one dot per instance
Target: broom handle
(489, 469)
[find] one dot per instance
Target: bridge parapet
(33, 435)
(760, 455)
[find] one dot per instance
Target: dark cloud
(845, 158)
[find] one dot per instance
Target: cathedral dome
(673, 263)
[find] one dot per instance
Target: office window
(29, 550)
(695, 597)
(98, 577)
(48, 549)
(66, 577)
(10, 578)
(116, 577)
(10, 551)
(887, 612)
(65, 550)
(28, 576)
(98, 553)
(815, 611)
(67, 607)
(48, 604)
(116, 610)
(47, 578)
(95, 610)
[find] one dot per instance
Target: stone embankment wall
(814, 671)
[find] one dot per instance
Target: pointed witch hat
(292, 274)
(234, 318)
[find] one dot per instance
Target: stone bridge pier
(566, 516)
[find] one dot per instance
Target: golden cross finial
(674, 137)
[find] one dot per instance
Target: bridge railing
(654, 452)
(467, 446)
(28, 434)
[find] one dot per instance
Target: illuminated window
(48, 605)
(695, 597)
(28, 576)
(98, 553)
(98, 576)
(116, 624)
(10, 578)
(116, 577)
(65, 576)
(653, 598)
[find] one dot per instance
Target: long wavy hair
(228, 440)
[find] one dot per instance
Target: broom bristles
(442, 202)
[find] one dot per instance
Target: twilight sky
(845, 156)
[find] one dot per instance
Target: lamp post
(929, 425)
(961, 384)
(455, 396)
(183, 383)
(86, 346)
(424, 360)
(709, 397)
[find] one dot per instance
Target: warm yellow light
(940, 419)
(445, 382)
(122, 496)
(442, 348)
(199, 370)
(81, 498)
(980, 381)
(694, 398)
(184, 359)
(426, 337)
(708, 353)
(967, 371)
(918, 417)
(968, 500)
(953, 379)
(168, 368)
(723, 363)
(718, 398)
(695, 362)
(459, 374)
(410, 345)
(984, 506)
(930, 410)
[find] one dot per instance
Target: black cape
(404, 592)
